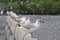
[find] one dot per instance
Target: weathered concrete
(2, 36)
(3, 23)
(50, 30)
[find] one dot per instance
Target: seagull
(2, 11)
(23, 19)
(13, 15)
(35, 26)
(27, 24)
(10, 13)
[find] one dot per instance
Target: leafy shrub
(50, 7)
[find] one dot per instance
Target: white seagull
(27, 24)
(35, 26)
(2, 11)
(22, 20)
(12, 14)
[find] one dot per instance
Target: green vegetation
(50, 7)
